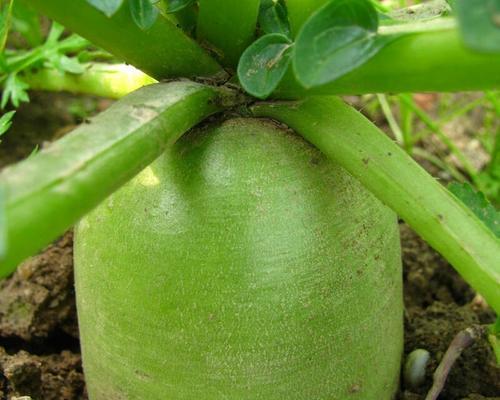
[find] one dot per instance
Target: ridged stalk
(163, 51)
(49, 192)
(106, 80)
(428, 61)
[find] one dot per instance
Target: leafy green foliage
(15, 90)
(480, 24)
(66, 64)
(174, 6)
(479, 204)
(336, 39)
(339, 37)
(108, 7)
(52, 53)
(273, 17)
(143, 13)
(264, 63)
(6, 121)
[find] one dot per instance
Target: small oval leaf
(336, 39)
(273, 18)
(108, 7)
(143, 13)
(263, 64)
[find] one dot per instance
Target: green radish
(242, 264)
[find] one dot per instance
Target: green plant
(246, 261)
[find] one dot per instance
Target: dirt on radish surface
(39, 347)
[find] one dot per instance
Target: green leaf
(15, 91)
(273, 17)
(55, 33)
(108, 7)
(174, 6)
(6, 121)
(264, 63)
(479, 204)
(67, 64)
(479, 24)
(143, 13)
(339, 37)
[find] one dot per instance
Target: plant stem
(228, 25)
(430, 61)
(49, 192)
(106, 80)
(462, 340)
(352, 141)
(163, 51)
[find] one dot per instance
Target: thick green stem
(163, 51)
(49, 192)
(429, 61)
(385, 169)
(106, 80)
(228, 25)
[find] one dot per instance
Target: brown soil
(39, 349)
